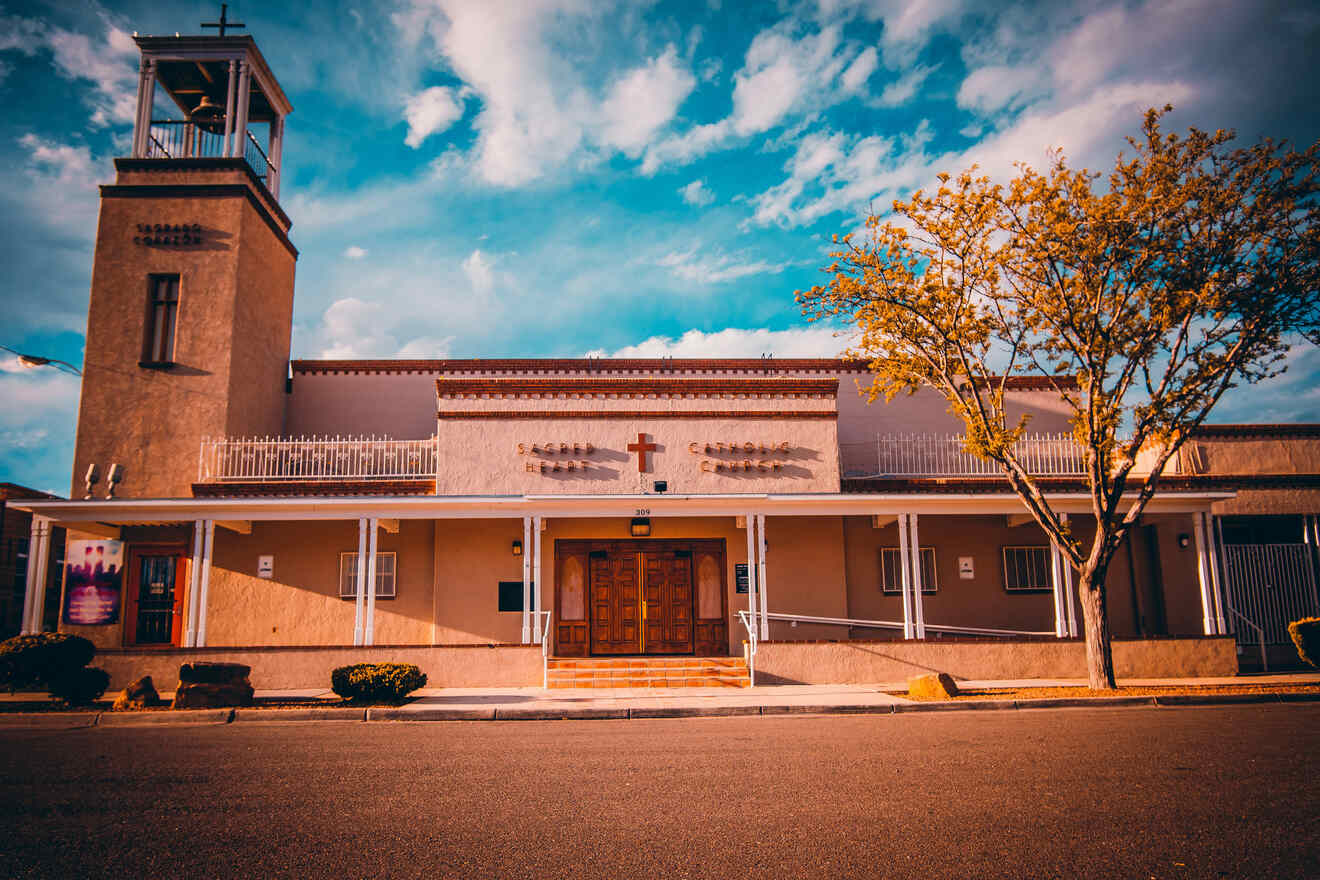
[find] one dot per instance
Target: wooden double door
(640, 597)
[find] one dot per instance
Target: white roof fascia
(507, 506)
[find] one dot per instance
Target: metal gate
(1271, 585)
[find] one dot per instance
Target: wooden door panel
(615, 605)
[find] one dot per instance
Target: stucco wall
(300, 605)
(297, 668)
(878, 662)
(231, 338)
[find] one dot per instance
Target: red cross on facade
(641, 447)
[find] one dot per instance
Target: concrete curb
(429, 713)
(160, 719)
(76, 720)
(47, 720)
(329, 713)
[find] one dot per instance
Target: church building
(564, 521)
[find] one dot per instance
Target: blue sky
(563, 177)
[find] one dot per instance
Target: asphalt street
(1147, 792)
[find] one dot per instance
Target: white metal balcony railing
(275, 459)
(936, 455)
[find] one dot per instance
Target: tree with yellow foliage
(1141, 300)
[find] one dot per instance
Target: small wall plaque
(265, 566)
(966, 568)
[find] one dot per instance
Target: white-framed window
(891, 571)
(385, 568)
(1027, 568)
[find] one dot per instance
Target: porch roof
(157, 510)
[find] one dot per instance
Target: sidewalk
(534, 703)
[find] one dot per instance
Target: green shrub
(1306, 636)
(39, 659)
(377, 682)
(79, 687)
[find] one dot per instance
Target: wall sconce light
(517, 548)
(1184, 540)
(640, 527)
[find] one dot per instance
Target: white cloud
(998, 86)
(109, 64)
(426, 348)
(715, 269)
(813, 341)
(904, 89)
(696, 193)
(860, 70)
(541, 105)
(643, 101)
(353, 252)
(37, 424)
(479, 271)
(429, 112)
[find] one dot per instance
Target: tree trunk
(1099, 653)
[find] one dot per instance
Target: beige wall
(231, 342)
(309, 667)
(885, 662)
(983, 602)
(301, 604)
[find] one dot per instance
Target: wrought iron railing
(180, 139)
(278, 460)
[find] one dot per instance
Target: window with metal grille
(162, 315)
(891, 571)
(1027, 568)
(385, 568)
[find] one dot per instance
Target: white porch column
(244, 98)
(276, 146)
(194, 580)
(146, 99)
(34, 593)
(1065, 620)
(1216, 581)
(527, 581)
(231, 90)
(208, 541)
(918, 602)
(369, 628)
(1070, 600)
(905, 577)
(536, 579)
(760, 575)
(750, 520)
(1203, 575)
(359, 602)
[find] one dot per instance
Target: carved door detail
(615, 609)
(667, 592)
(642, 597)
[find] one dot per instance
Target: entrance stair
(643, 672)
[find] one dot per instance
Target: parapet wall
(892, 661)
(304, 668)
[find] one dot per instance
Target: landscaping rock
(141, 694)
(213, 686)
(213, 673)
(932, 687)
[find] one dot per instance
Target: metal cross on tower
(224, 21)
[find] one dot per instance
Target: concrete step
(642, 672)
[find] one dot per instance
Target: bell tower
(191, 306)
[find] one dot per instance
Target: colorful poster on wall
(93, 581)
